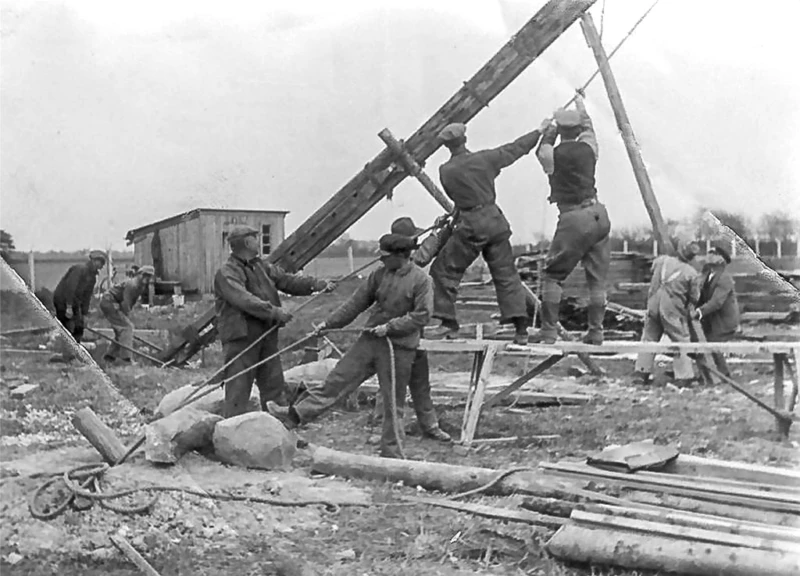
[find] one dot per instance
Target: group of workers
(401, 298)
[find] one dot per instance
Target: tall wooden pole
(631, 145)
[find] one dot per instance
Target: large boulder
(213, 402)
(311, 372)
(169, 438)
(254, 440)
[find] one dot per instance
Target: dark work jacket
(75, 289)
(247, 292)
(403, 300)
(718, 303)
(572, 180)
(468, 179)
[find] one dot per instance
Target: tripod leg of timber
(779, 399)
(477, 361)
(791, 368)
(544, 365)
(474, 408)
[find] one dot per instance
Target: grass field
(190, 535)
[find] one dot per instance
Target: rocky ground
(190, 534)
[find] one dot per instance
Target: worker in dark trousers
(718, 309)
(247, 305)
(73, 294)
(116, 305)
(582, 232)
(399, 296)
(481, 228)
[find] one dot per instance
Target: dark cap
(241, 231)
(97, 255)
(722, 252)
(394, 243)
(406, 227)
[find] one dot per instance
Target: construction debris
(173, 436)
(213, 402)
(23, 390)
(254, 440)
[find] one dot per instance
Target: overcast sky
(116, 115)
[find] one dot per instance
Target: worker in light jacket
(673, 294)
(399, 297)
(73, 295)
(116, 305)
(583, 229)
(481, 229)
(248, 305)
(717, 307)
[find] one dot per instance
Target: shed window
(266, 237)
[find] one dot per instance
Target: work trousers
(73, 327)
(419, 386)
(368, 355)
(677, 330)
(460, 251)
(268, 376)
(719, 357)
(582, 235)
(122, 326)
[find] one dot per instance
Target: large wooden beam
(631, 145)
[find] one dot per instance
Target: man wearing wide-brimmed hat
(583, 228)
(399, 298)
(116, 305)
(73, 294)
(718, 308)
(248, 304)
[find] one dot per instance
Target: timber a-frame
(386, 171)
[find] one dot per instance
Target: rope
(496, 480)
(78, 480)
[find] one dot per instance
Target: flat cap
(567, 118)
(406, 227)
(241, 231)
(722, 252)
(452, 131)
(97, 255)
(146, 270)
(688, 249)
(394, 243)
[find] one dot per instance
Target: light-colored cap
(567, 118)
(452, 131)
(146, 270)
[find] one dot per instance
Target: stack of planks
(701, 517)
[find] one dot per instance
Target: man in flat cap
(398, 295)
(674, 291)
(582, 232)
(116, 305)
(718, 309)
(248, 305)
(481, 228)
(73, 294)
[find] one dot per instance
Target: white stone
(171, 437)
(213, 402)
(254, 440)
(310, 372)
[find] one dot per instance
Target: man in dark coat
(481, 228)
(399, 298)
(717, 309)
(247, 305)
(73, 294)
(582, 232)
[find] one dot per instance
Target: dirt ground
(188, 534)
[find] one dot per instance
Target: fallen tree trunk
(642, 551)
(446, 478)
(99, 435)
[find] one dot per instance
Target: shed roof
(190, 215)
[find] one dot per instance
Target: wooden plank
(689, 465)
(778, 398)
(682, 531)
(356, 197)
(664, 554)
(522, 380)
(21, 391)
(130, 552)
(472, 411)
(660, 230)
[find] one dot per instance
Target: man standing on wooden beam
(481, 228)
(247, 306)
(582, 232)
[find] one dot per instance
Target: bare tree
(778, 226)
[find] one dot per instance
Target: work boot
(596, 313)
(521, 333)
(286, 414)
(437, 434)
(447, 330)
(641, 378)
(549, 330)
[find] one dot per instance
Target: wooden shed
(189, 248)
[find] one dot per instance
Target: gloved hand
(380, 331)
(441, 221)
(545, 124)
(68, 313)
(326, 286)
(697, 314)
(282, 316)
(579, 93)
(319, 328)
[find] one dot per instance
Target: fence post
(350, 261)
(758, 245)
(779, 244)
(733, 247)
(109, 268)
(32, 271)
(625, 246)
(708, 245)
(655, 247)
